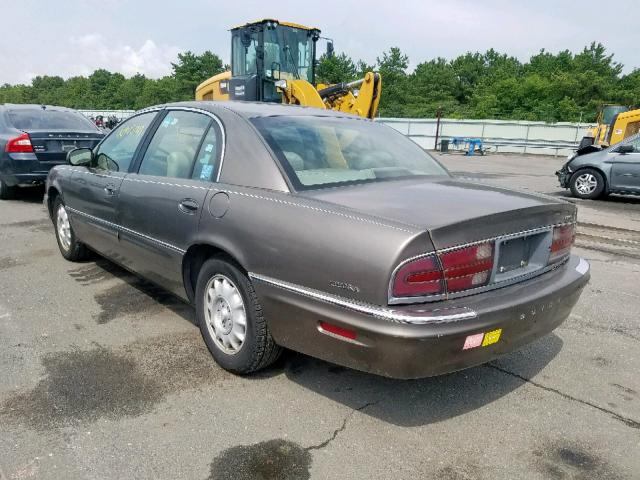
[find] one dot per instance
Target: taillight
(453, 271)
(563, 237)
(417, 278)
(20, 144)
(468, 267)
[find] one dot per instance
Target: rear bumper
(420, 341)
(24, 169)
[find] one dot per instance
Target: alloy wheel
(586, 183)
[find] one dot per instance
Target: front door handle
(188, 206)
(110, 190)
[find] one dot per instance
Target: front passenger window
(173, 147)
(116, 151)
(636, 145)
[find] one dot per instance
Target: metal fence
(507, 136)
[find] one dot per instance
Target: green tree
(392, 66)
(335, 69)
(192, 69)
(562, 86)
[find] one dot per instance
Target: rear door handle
(188, 206)
(110, 190)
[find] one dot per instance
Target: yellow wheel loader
(273, 61)
(614, 124)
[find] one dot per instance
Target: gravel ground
(105, 376)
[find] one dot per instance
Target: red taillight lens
(468, 267)
(20, 144)
(563, 237)
(418, 278)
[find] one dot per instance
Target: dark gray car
(320, 232)
(612, 170)
(34, 138)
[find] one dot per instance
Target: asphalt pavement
(103, 375)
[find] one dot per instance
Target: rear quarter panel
(309, 243)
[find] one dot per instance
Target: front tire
(231, 320)
(587, 183)
(6, 192)
(70, 248)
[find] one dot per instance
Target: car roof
(31, 106)
(250, 110)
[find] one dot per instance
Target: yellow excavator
(614, 124)
(274, 61)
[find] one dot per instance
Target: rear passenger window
(206, 162)
(173, 148)
(49, 119)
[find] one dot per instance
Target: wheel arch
(194, 258)
(52, 194)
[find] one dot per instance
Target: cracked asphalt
(105, 376)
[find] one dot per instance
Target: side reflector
(336, 330)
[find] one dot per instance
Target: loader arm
(336, 97)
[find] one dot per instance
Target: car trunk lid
(454, 212)
(53, 145)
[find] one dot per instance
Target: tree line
(563, 86)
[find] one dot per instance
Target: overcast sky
(75, 37)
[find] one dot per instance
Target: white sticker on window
(206, 172)
(209, 147)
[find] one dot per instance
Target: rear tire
(587, 183)
(70, 248)
(230, 319)
(6, 192)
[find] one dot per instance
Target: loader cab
(266, 51)
(606, 122)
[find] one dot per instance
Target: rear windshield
(48, 119)
(320, 152)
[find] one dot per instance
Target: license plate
(68, 146)
(514, 254)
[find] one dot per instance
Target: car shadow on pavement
(28, 195)
(134, 295)
(411, 403)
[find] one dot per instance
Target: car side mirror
(628, 148)
(80, 157)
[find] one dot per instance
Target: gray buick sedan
(320, 232)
